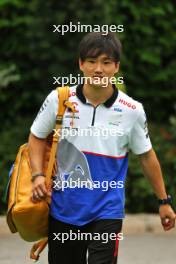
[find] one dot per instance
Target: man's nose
(98, 68)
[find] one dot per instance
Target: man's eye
(91, 61)
(107, 62)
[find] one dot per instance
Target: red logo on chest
(132, 106)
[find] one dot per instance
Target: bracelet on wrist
(168, 200)
(35, 175)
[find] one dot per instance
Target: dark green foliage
(31, 54)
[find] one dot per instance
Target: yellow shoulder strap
(63, 96)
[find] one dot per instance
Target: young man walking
(87, 206)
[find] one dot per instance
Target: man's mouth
(96, 76)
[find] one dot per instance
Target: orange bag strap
(37, 248)
(63, 96)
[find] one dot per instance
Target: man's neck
(97, 95)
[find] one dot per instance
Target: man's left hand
(167, 216)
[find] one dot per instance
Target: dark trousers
(94, 243)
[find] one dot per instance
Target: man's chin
(98, 86)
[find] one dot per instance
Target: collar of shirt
(108, 103)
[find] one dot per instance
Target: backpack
(27, 218)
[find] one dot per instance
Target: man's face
(99, 70)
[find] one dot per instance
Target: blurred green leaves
(8, 76)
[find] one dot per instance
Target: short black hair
(96, 43)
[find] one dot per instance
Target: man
(96, 161)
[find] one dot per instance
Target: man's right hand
(39, 189)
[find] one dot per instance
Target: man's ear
(80, 64)
(117, 65)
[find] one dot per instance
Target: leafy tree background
(31, 54)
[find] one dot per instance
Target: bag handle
(63, 96)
